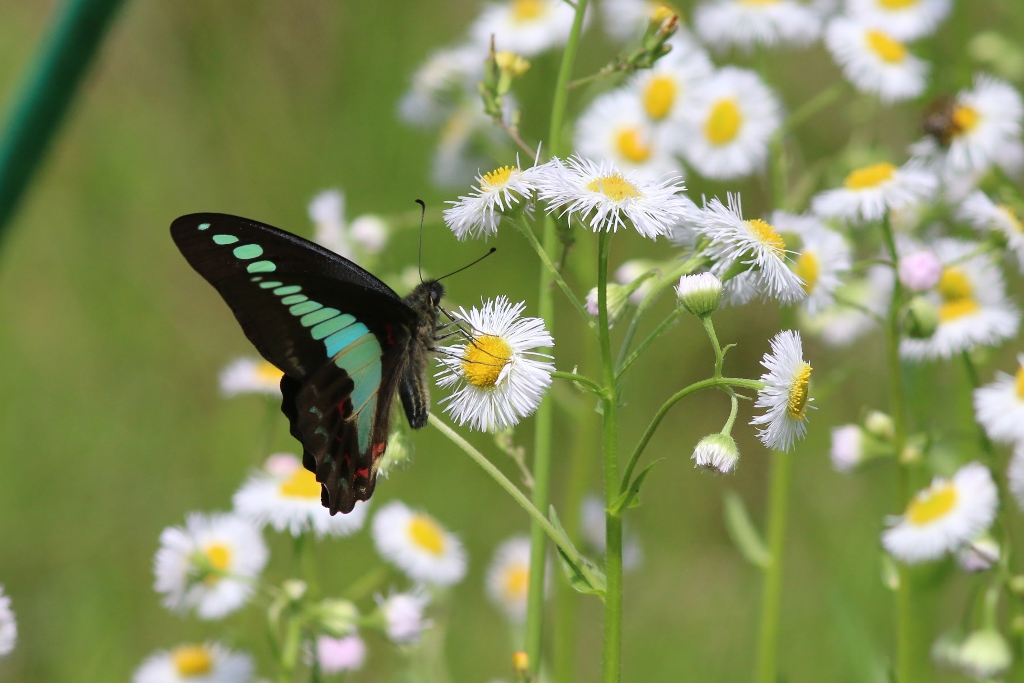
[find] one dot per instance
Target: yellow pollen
(724, 122)
(767, 235)
(659, 96)
(192, 660)
(931, 505)
(498, 176)
(219, 557)
(953, 284)
(965, 118)
(615, 187)
(267, 372)
(302, 484)
(527, 10)
(808, 268)
(897, 4)
(869, 176)
(517, 581)
(1011, 218)
(886, 47)
(484, 359)
(631, 145)
(797, 407)
(427, 535)
(1020, 383)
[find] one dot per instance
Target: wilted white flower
(785, 394)
(418, 545)
(199, 663)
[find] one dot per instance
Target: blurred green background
(111, 426)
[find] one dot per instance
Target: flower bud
(294, 589)
(370, 232)
(920, 271)
(337, 617)
(921, 319)
(978, 555)
(717, 452)
(618, 298)
(880, 425)
(847, 450)
(1016, 585)
(520, 663)
(984, 654)
(700, 294)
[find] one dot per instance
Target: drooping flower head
(785, 394)
(418, 545)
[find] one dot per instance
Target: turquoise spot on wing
(204, 226)
(290, 289)
(367, 382)
(365, 423)
(315, 317)
(261, 267)
(362, 352)
(225, 239)
(339, 340)
(329, 327)
(248, 251)
(305, 307)
(294, 299)
(269, 284)
(255, 279)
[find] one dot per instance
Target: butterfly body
(344, 340)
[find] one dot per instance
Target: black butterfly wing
(338, 333)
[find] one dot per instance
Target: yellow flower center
(427, 535)
(192, 660)
(517, 581)
(659, 96)
(869, 176)
(615, 187)
(887, 48)
(302, 484)
(484, 359)
(957, 295)
(662, 13)
(724, 122)
(798, 389)
(513, 63)
(267, 372)
(1011, 218)
(965, 118)
(1020, 382)
(219, 557)
(527, 10)
(897, 4)
(767, 235)
(498, 176)
(631, 145)
(759, 2)
(931, 505)
(808, 268)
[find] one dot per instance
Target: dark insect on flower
(940, 120)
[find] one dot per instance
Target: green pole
(46, 94)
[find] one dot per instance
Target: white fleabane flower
(1015, 474)
(526, 27)
(730, 119)
(209, 564)
(823, 261)
(8, 625)
(747, 24)
(403, 616)
(874, 61)
(497, 192)
(754, 243)
(868, 192)
(198, 663)
(700, 294)
(447, 77)
(985, 215)
(972, 304)
(508, 577)
(999, 406)
(716, 452)
(286, 495)
(615, 126)
(665, 89)
(497, 376)
(944, 516)
(785, 394)
(840, 325)
(250, 376)
(904, 19)
(606, 199)
(592, 523)
(418, 545)
(847, 450)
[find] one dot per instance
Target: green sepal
(742, 531)
(584, 576)
(630, 498)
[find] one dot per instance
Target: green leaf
(584, 576)
(630, 498)
(743, 532)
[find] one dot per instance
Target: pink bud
(920, 271)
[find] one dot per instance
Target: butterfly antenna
(419, 259)
(493, 249)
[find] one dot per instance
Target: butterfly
(345, 341)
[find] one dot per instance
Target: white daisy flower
(840, 325)
(419, 546)
(497, 377)
(754, 243)
(1015, 474)
(785, 395)
(286, 495)
(403, 616)
(984, 214)
(875, 61)
(209, 565)
(370, 232)
(526, 27)
(445, 79)
(616, 127)
(746, 24)
(340, 654)
(847, 450)
(199, 663)
(868, 192)
(8, 625)
(903, 19)
(972, 304)
(606, 198)
(665, 89)
(496, 193)
(592, 526)
(999, 406)
(716, 452)
(730, 121)
(508, 577)
(250, 376)
(944, 516)
(823, 261)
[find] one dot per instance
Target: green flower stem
(552, 274)
(545, 416)
(290, 649)
(582, 379)
(611, 661)
(983, 440)
(771, 598)
(709, 327)
(713, 382)
(668, 322)
(46, 96)
(368, 583)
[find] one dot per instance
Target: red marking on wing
(379, 448)
(345, 407)
(390, 340)
(362, 473)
